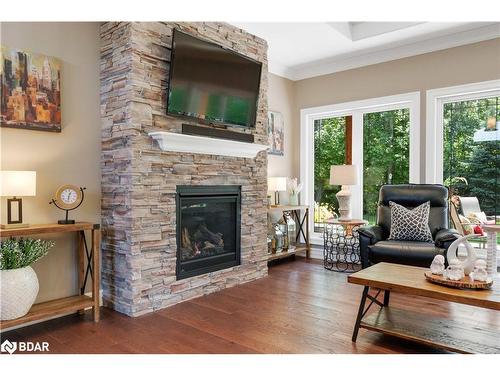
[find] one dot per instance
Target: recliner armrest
(444, 237)
(374, 233)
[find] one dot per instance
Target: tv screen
(211, 83)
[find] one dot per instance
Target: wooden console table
(302, 231)
(54, 308)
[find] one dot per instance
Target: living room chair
(470, 207)
(374, 244)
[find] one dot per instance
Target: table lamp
(344, 175)
(16, 184)
(276, 184)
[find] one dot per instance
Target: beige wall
(280, 99)
(455, 66)
(72, 156)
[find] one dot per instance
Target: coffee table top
(411, 280)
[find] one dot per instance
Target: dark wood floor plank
(299, 308)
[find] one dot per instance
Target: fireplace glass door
(208, 229)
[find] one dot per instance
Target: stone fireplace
(165, 215)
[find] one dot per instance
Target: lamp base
(344, 199)
(65, 222)
(14, 226)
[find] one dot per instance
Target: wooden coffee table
(439, 332)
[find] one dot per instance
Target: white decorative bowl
(18, 291)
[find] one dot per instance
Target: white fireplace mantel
(176, 142)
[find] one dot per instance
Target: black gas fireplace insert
(208, 229)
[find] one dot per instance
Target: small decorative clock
(68, 198)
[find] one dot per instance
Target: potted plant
(294, 189)
(18, 281)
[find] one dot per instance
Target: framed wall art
(31, 90)
(276, 133)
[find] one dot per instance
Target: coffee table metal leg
(387, 295)
(360, 313)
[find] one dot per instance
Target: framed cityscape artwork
(275, 133)
(30, 90)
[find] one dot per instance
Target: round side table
(341, 245)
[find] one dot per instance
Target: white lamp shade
(343, 175)
(17, 183)
(276, 184)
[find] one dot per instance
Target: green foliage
(477, 162)
(386, 144)
(329, 149)
(19, 253)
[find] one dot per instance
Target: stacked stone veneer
(139, 180)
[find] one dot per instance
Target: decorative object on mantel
(31, 91)
(437, 265)
(16, 184)
(468, 263)
(175, 142)
(293, 191)
(276, 133)
(68, 198)
(276, 184)
(18, 280)
(344, 175)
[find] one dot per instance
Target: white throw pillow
(478, 217)
(410, 225)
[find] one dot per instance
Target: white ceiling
(304, 50)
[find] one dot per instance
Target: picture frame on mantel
(276, 133)
(31, 90)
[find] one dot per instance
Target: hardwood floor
(299, 308)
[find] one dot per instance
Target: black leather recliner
(374, 245)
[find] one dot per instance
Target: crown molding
(337, 64)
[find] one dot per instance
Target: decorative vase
(18, 292)
(293, 200)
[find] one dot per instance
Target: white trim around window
(435, 100)
(356, 109)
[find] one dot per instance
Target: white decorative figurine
(455, 271)
(479, 273)
(437, 266)
(467, 263)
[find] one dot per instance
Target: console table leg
(308, 251)
(81, 264)
(360, 313)
(96, 246)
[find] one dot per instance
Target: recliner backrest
(411, 196)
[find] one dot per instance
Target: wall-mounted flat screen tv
(211, 83)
